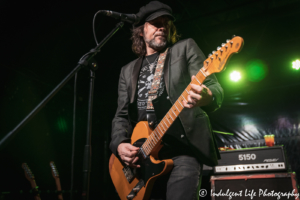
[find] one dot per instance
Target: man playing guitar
(189, 142)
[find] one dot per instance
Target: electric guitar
(57, 180)
(31, 179)
(137, 183)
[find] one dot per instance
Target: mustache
(160, 34)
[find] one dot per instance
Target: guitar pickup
(128, 174)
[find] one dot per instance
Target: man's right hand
(127, 153)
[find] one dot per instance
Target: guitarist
(189, 142)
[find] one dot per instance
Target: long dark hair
(138, 43)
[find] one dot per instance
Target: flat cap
(153, 10)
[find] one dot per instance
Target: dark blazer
(183, 60)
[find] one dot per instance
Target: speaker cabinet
(254, 186)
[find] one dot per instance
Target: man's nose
(161, 28)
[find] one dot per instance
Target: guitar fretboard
(155, 137)
(214, 63)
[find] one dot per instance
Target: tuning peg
(218, 48)
(227, 40)
(214, 52)
(233, 36)
(209, 55)
(223, 44)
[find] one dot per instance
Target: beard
(157, 46)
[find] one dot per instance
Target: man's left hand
(198, 96)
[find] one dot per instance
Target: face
(157, 33)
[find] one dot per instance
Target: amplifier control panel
(250, 167)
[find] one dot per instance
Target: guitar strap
(152, 94)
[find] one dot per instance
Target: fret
(202, 72)
(161, 126)
(187, 92)
(197, 79)
(171, 116)
(160, 130)
(146, 149)
(165, 124)
(152, 141)
(157, 137)
(183, 98)
(180, 104)
(154, 137)
(173, 113)
(149, 144)
(168, 120)
(157, 132)
(176, 107)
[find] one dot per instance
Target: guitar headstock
(216, 61)
(28, 173)
(54, 170)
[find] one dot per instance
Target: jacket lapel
(134, 77)
(166, 70)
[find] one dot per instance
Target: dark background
(41, 42)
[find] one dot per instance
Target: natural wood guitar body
(151, 168)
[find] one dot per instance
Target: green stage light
(256, 70)
(62, 124)
(296, 64)
(235, 76)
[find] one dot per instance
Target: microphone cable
(95, 37)
(74, 113)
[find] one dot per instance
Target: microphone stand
(87, 150)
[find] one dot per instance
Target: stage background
(41, 42)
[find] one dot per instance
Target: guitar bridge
(136, 189)
(129, 174)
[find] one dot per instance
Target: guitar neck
(215, 63)
(30, 177)
(34, 188)
(58, 187)
(55, 175)
(160, 130)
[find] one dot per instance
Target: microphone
(130, 18)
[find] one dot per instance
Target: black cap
(153, 10)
